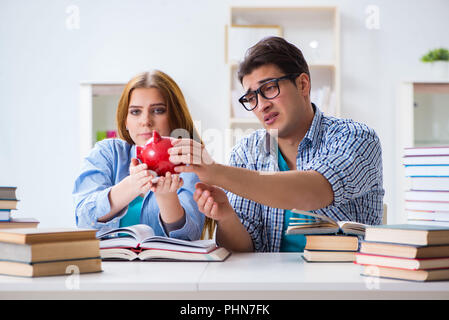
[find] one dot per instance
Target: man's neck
(289, 144)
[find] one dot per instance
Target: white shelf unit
(98, 105)
(313, 29)
(422, 119)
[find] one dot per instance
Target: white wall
(42, 63)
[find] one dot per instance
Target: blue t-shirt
(289, 242)
(132, 216)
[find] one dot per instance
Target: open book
(312, 223)
(139, 242)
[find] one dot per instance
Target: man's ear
(303, 84)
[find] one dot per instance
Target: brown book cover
(50, 268)
(15, 223)
(50, 251)
(40, 235)
(332, 242)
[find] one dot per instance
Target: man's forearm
(306, 190)
(232, 235)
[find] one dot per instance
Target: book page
(186, 243)
(138, 232)
(198, 246)
(351, 227)
(351, 224)
(117, 242)
(319, 216)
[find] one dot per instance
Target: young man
(323, 164)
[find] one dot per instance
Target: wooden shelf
(98, 105)
(314, 29)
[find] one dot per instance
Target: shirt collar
(314, 129)
(312, 135)
(133, 152)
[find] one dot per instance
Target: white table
(242, 276)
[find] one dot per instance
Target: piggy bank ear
(156, 136)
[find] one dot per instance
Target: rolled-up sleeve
(351, 161)
(91, 190)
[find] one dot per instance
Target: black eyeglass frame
(258, 91)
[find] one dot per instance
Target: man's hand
(212, 201)
(195, 157)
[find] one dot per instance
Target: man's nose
(263, 104)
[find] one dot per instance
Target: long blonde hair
(178, 114)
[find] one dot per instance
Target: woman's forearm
(119, 197)
(170, 207)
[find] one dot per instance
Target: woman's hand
(167, 185)
(165, 190)
(139, 178)
(137, 183)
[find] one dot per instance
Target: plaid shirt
(348, 154)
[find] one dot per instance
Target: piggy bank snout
(155, 155)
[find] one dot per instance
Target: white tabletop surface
(241, 276)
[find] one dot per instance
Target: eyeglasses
(268, 90)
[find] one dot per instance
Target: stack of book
(8, 202)
(330, 248)
(327, 240)
(47, 252)
(427, 200)
(405, 251)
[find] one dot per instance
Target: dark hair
(277, 51)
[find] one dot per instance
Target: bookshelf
(422, 120)
(98, 105)
(313, 29)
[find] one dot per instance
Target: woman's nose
(146, 119)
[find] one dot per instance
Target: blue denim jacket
(108, 164)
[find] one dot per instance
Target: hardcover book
(408, 234)
(30, 236)
(404, 250)
(403, 263)
(139, 242)
(406, 274)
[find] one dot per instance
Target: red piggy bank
(155, 154)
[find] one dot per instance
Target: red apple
(155, 154)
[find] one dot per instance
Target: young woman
(114, 189)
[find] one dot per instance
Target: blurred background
(63, 65)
